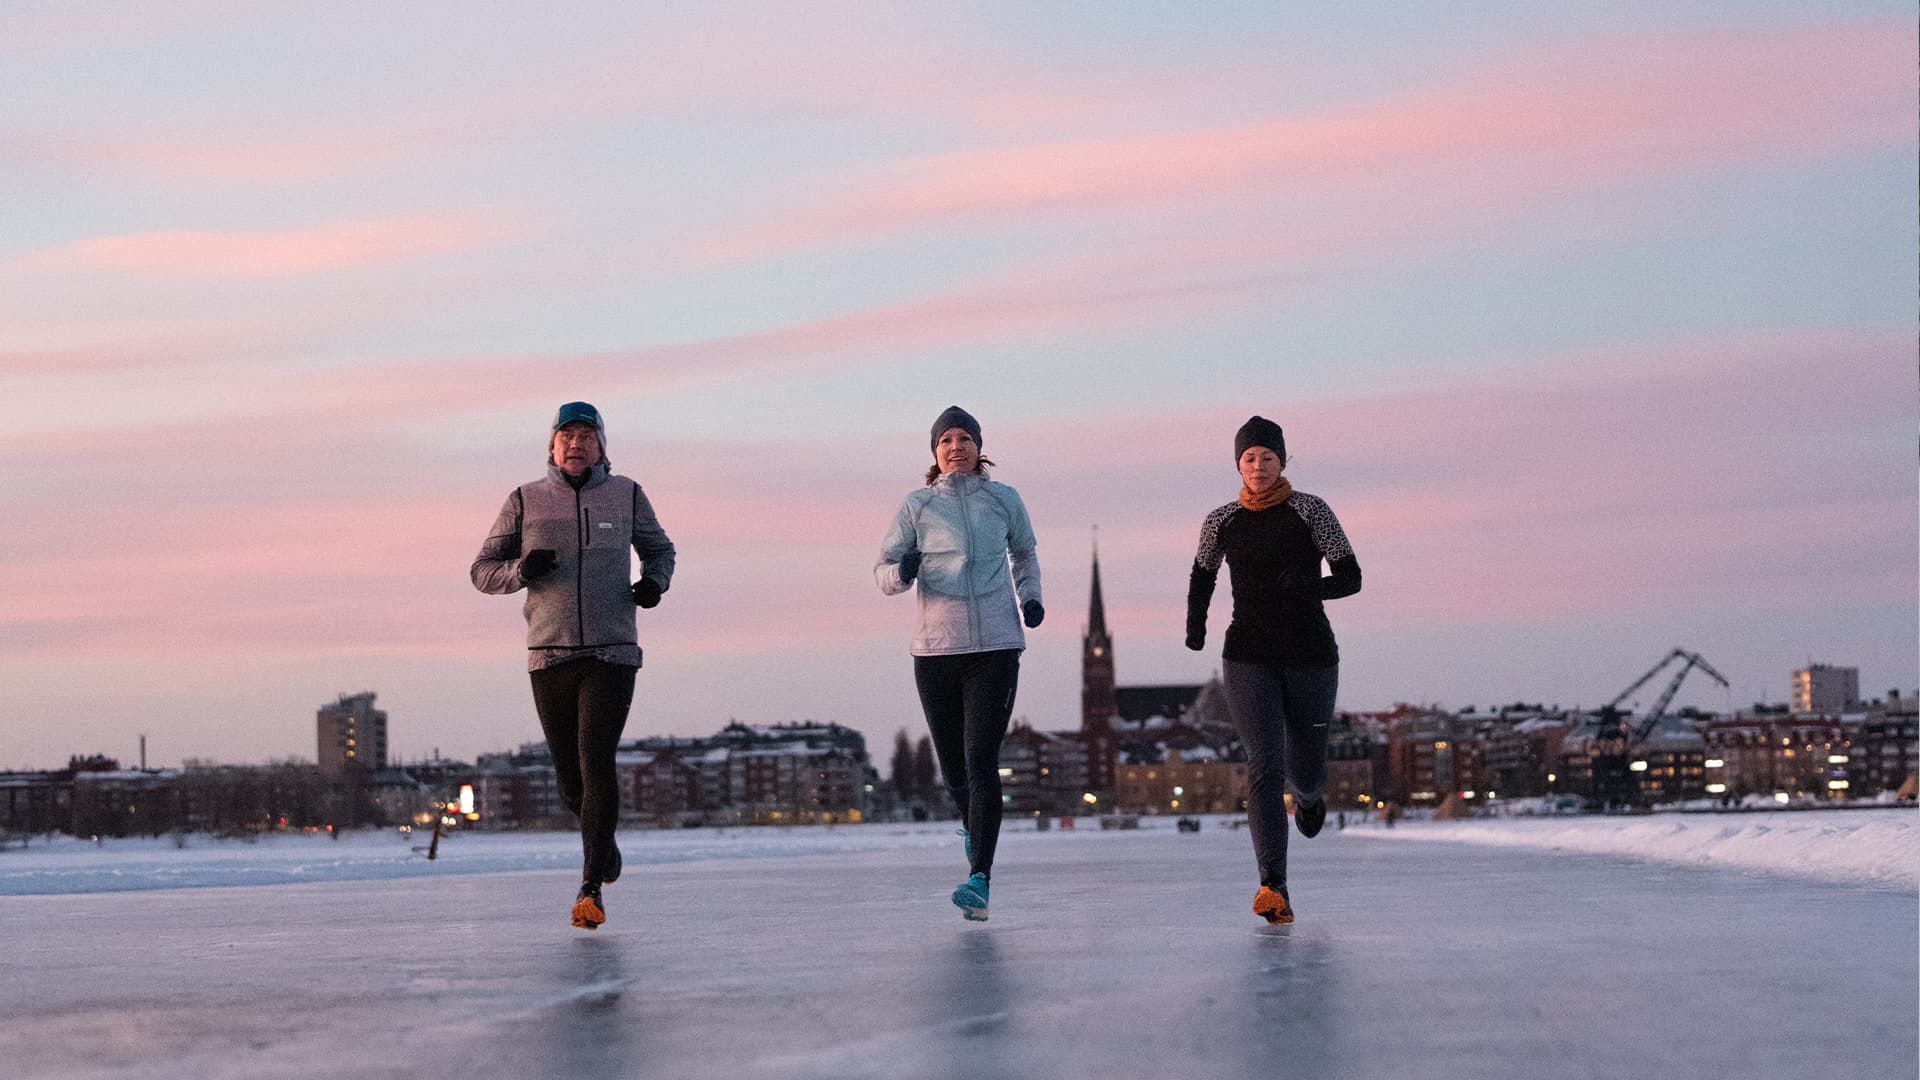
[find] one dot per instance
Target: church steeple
(1097, 610)
(1098, 705)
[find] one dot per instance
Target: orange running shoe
(588, 913)
(1271, 904)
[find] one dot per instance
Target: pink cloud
(1681, 476)
(60, 26)
(875, 77)
(223, 158)
(1670, 477)
(1028, 300)
(1529, 123)
(319, 572)
(224, 256)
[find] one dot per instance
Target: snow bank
(1878, 847)
(64, 865)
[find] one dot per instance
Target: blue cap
(577, 411)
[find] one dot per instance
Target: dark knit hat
(955, 417)
(1260, 431)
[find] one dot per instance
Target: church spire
(1097, 607)
(1098, 702)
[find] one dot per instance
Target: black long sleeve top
(1278, 614)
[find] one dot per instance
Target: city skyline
(1594, 327)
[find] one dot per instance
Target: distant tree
(925, 777)
(903, 778)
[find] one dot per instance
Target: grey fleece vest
(586, 602)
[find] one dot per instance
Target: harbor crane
(1618, 740)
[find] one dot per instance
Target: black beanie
(1260, 431)
(955, 417)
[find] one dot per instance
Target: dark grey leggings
(968, 698)
(583, 708)
(1281, 715)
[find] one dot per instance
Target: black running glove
(1196, 639)
(1302, 581)
(646, 593)
(1033, 613)
(537, 564)
(909, 566)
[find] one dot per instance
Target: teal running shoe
(971, 898)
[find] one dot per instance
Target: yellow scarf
(1280, 492)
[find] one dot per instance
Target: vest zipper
(579, 569)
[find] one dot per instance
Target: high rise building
(351, 735)
(1823, 688)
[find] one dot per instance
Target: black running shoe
(1310, 816)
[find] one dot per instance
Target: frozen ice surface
(1109, 955)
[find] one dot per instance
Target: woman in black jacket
(1280, 666)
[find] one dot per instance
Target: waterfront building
(795, 784)
(1809, 755)
(1669, 765)
(517, 791)
(351, 734)
(1825, 688)
(1522, 751)
(1191, 781)
(34, 803)
(1885, 751)
(1356, 761)
(1738, 757)
(1431, 754)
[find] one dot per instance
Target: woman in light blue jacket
(968, 544)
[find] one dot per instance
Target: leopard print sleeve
(1210, 553)
(1206, 570)
(1327, 534)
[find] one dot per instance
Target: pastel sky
(1595, 324)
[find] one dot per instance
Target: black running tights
(583, 709)
(968, 698)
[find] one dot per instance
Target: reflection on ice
(1109, 955)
